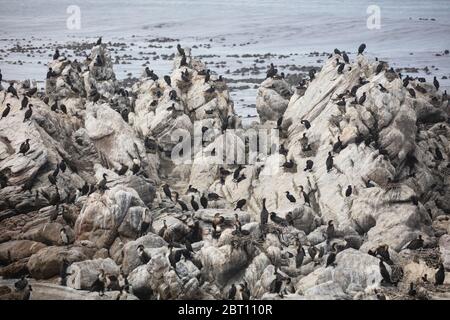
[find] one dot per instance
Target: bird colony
(93, 207)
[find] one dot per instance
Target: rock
(18, 250)
(272, 99)
(84, 273)
(46, 263)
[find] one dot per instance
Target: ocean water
(412, 33)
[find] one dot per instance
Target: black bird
(24, 102)
(439, 156)
(306, 123)
(167, 191)
(204, 201)
(52, 179)
(288, 164)
(31, 92)
(99, 283)
(194, 204)
(50, 73)
(362, 99)
(12, 90)
(180, 50)
(264, 214)
(232, 292)
(329, 162)
(136, 167)
(305, 195)
(240, 204)
(271, 72)
(63, 272)
(337, 147)
(309, 165)
(331, 257)
(207, 76)
(312, 251)
(63, 108)
(6, 111)
(21, 284)
(84, 189)
(436, 83)
(1, 76)
(213, 196)
(345, 57)
(24, 147)
(191, 189)
(278, 220)
(330, 230)
(102, 184)
(341, 103)
(416, 243)
(245, 291)
(143, 256)
(312, 74)
(56, 55)
(412, 92)
(183, 205)
(123, 169)
(384, 273)
(348, 192)
(340, 68)
(290, 197)
(439, 276)
(300, 256)
(28, 113)
(99, 41)
(337, 51)
(167, 80)
(54, 107)
(382, 89)
(412, 292)
(361, 48)
(379, 68)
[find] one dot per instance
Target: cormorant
(204, 201)
(240, 204)
(288, 164)
(361, 48)
(309, 165)
(278, 220)
(436, 83)
(123, 169)
(56, 55)
(12, 90)
(337, 51)
(412, 92)
(412, 292)
(180, 50)
(99, 283)
(63, 108)
(143, 256)
(306, 123)
(348, 192)
(382, 89)
(305, 196)
(136, 166)
(300, 256)
(362, 99)
(213, 196)
(329, 162)
(24, 147)
(102, 184)
(264, 214)
(379, 68)
(416, 243)
(207, 76)
(290, 197)
(439, 276)
(21, 284)
(345, 57)
(167, 80)
(232, 292)
(271, 72)
(340, 68)
(191, 189)
(312, 251)
(183, 205)
(28, 113)
(64, 237)
(163, 229)
(99, 41)
(167, 191)
(330, 230)
(194, 204)
(384, 273)
(337, 147)
(331, 257)
(6, 111)
(312, 74)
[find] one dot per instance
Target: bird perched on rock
(300, 255)
(306, 123)
(167, 191)
(329, 162)
(24, 147)
(361, 48)
(290, 197)
(309, 165)
(312, 251)
(204, 201)
(99, 41)
(439, 276)
(330, 231)
(278, 220)
(305, 196)
(99, 283)
(436, 83)
(22, 283)
(64, 236)
(28, 113)
(6, 111)
(271, 72)
(345, 57)
(384, 273)
(143, 256)
(337, 147)
(232, 292)
(362, 99)
(240, 204)
(12, 90)
(56, 54)
(312, 74)
(264, 214)
(348, 192)
(191, 189)
(416, 243)
(332, 257)
(102, 184)
(167, 80)
(194, 204)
